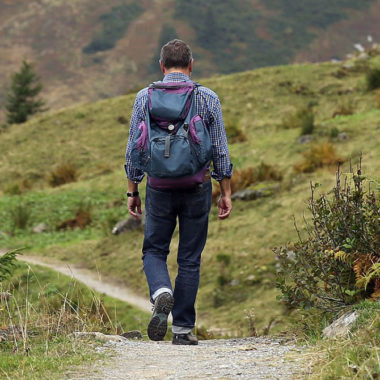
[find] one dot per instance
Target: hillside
(238, 263)
(88, 50)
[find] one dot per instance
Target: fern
(7, 263)
(342, 256)
(373, 274)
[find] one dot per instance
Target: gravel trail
(244, 358)
(222, 359)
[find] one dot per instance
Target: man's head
(176, 56)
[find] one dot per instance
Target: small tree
(22, 97)
(338, 263)
(7, 263)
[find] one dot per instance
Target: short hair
(177, 54)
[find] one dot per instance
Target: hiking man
(192, 130)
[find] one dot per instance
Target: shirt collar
(176, 77)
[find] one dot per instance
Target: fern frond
(341, 256)
(361, 266)
(373, 274)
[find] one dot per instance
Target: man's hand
(224, 202)
(134, 206)
(225, 207)
(134, 203)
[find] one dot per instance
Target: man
(190, 205)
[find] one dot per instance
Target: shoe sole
(158, 324)
(184, 343)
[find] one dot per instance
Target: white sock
(180, 330)
(160, 291)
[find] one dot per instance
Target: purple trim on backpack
(163, 85)
(178, 183)
(186, 108)
(143, 139)
(192, 130)
(181, 90)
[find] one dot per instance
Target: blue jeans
(192, 207)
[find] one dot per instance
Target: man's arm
(134, 175)
(220, 156)
(224, 202)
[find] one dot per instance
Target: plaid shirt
(208, 108)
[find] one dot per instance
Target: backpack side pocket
(139, 152)
(200, 139)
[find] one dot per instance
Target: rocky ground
(244, 358)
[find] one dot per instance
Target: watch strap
(134, 194)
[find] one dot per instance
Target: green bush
(233, 130)
(318, 156)
(338, 263)
(373, 79)
(20, 216)
(334, 132)
(303, 119)
(64, 173)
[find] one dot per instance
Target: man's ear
(191, 66)
(162, 67)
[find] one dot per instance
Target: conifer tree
(22, 98)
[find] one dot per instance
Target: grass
(44, 308)
(356, 356)
(44, 361)
(93, 139)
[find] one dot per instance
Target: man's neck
(175, 70)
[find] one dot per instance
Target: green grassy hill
(238, 267)
(90, 50)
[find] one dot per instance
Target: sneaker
(185, 339)
(159, 322)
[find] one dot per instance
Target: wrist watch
(134, 194)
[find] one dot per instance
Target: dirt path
(246, 358)
(92, 280)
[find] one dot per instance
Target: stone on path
(134, 334)
(98, 336)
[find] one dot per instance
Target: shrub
(234, 132)
(13, 189)
(17, 188)
(344, 108)
(64, 173)
(318, 156)
(334, 132)
(339, 261)
(20, 216)
(373, 79)
(244, 178)
(378, 99)
(303, 118)
(82, 218)
(249, 176)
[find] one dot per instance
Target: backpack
(172, 144)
